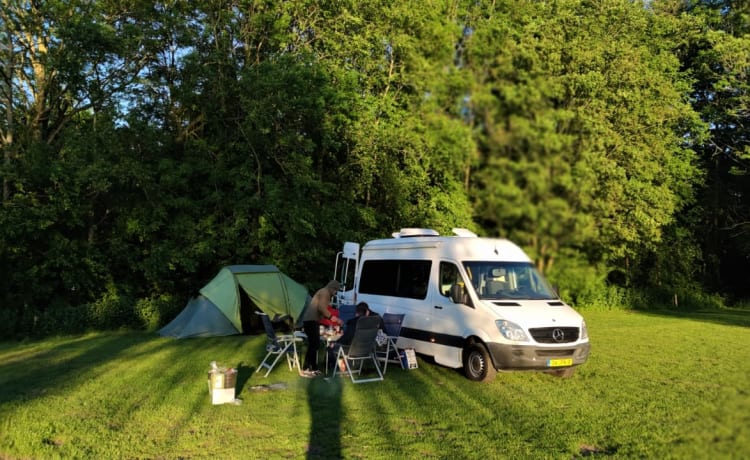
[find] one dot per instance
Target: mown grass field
(656, 386)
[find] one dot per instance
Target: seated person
(380, 318)
(349, 329)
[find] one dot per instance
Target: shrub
(61, 320)
(153, 312)
(583, 285)
(605, 297)
(9, 324)
(113, 310)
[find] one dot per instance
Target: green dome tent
(216, 311)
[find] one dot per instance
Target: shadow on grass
(728, 317)
(243, 375)
(33, 369)
(324, 400)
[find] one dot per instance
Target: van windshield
(508, 280)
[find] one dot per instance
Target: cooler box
(221, 383)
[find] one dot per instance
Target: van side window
(396, 278)
(448, 277)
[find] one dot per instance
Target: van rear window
(395, 278)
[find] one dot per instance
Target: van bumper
(533, 357)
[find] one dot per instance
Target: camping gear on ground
(361, 349)
(221, 384)
(269, 387)
(408, 359)
(279, 346)
(216, 311)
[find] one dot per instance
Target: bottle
(218, 379)
(215, 376)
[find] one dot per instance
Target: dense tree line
(146, 144)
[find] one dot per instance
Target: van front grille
(555, 353)
(554, 334)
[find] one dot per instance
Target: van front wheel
(477, 364)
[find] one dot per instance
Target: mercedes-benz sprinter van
(471, 302)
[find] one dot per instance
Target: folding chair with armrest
(389, 353)
(361, 349)
(278, 346)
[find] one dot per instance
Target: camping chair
(346, 312)
(278, 346)
(360, 350)
(389, 353)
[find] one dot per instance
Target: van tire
(477, 364)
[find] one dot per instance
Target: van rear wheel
(477, 364)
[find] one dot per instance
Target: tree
(582, 112)
(67, 63)
(716, 53)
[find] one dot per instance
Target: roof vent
(411, 232)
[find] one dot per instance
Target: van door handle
(438, 307)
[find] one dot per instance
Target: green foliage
(114, 309)
(677, 262)
(581, 284)
(154, 312)
(579, 141)
(715, 51)
(11, 324)
(61, 319)
(679, 299)
(144, 147)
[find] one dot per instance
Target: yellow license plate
(560, 362)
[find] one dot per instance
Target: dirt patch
(587, 450)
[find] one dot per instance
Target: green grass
(655, 386)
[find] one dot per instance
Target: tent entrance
(251, 322)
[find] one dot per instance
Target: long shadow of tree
(31, 370)
(729, 317)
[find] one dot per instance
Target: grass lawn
(656, 386)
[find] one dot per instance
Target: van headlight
(584, 331)
(511, 331)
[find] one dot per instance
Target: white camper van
(471, 302)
